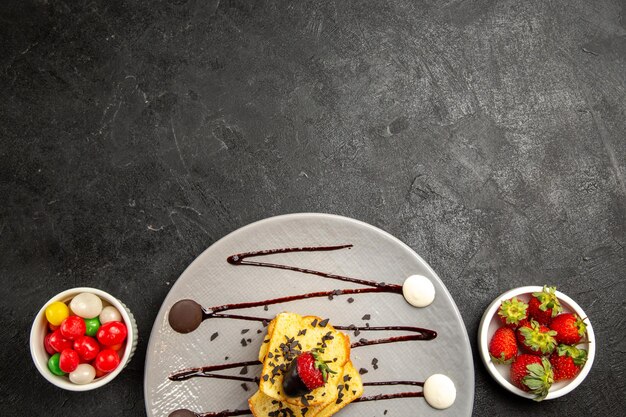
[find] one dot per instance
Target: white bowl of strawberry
(82, 338)
(536, 342)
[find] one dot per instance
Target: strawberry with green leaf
(567, 361)
(536, 338)
(305, 373)
(532, 374)
(503, 346)
(544, 305)
(512, 312)
(569, 328)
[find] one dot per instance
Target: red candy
(58, 342)
(73, 327)
(87, 348)
(46, 345)
(68, 362)
(112, 333)
(100, 373)
(107, 360)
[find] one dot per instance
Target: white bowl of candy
(82, 338)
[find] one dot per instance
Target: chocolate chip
(314, 323)
(244, 386)
(350, 300)
(243, 371)
(323, 323)
(265, 308)
(366, 317)
(244, 343)
(362, 371)
(244, 331)
(214, 335)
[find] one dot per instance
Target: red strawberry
(536, 338)
(532, 374)
(544, 305)
(503, 346)
(567, 361)
(304, 374)
(309, 372)
(512, 311)
(569, 328)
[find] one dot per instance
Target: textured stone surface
(488, 135)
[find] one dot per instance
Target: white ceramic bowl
(40, 329)
(501, 373)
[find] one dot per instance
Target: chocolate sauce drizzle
(240, 259)
(378, 397)
(205, 371)
(183, 324)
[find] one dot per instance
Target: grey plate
(376, 255)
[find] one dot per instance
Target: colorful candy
(83, 374)
(72, 327)
(107, 360)
(116, 347)
(53, 364)
(84, 339)
(58, 342)
(110, 313)
(46, 344)
(86, 305)
(99, 373)
(68, 361)
(92, 326)
(87, 348)
(56, 313)
(112, 333)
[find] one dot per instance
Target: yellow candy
(57, 312)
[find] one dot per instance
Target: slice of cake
(293, 335)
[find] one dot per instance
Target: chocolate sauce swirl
(240, 259)
(186, 315)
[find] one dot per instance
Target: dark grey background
(488, 135)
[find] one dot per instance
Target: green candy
(92, 326)
(53, 365)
